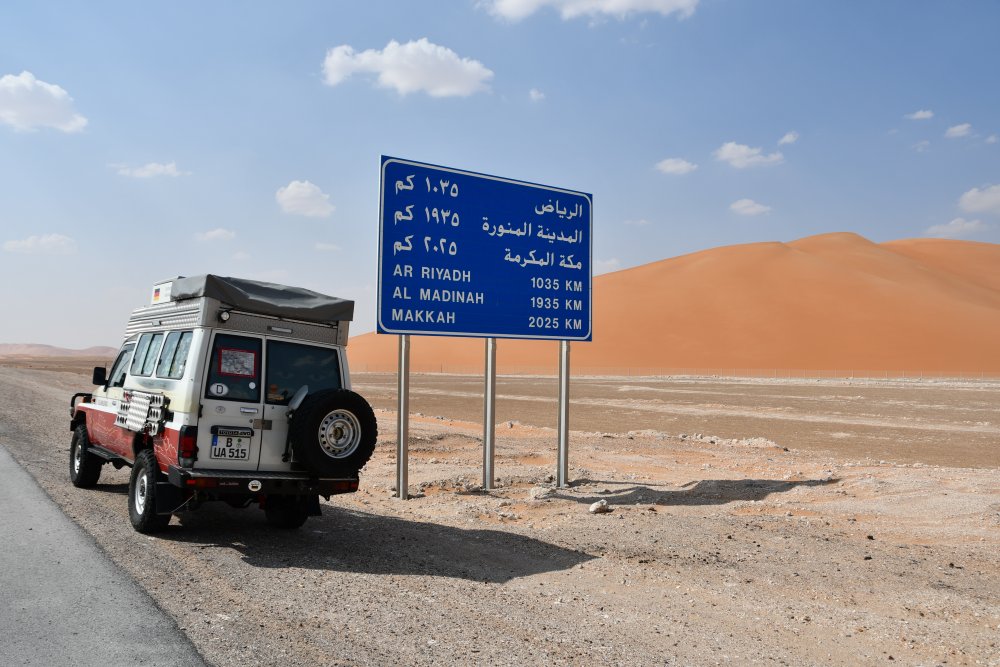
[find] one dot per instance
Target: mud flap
(168, 498)
(311, 506)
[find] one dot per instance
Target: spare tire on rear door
(333, 433)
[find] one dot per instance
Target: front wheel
(142, 495)
(84, 467)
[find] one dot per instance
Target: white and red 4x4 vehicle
(227, 389)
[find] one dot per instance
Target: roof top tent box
(244, 305)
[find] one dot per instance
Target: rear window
(173, 358)
(292, 365)
(234, 371)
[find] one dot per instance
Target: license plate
(231, 448)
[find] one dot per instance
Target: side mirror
(100, 375)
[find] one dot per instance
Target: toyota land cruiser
(227, 389)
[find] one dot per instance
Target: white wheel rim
(77, 458)
(141, 491)
(339, 434)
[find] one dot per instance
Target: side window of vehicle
(173, 358)
(151, 355)
(234, 369)
(145, 356)
(117, 376)
(140, 353)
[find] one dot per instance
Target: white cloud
(748, 207)
(789, 138)
(241, 256)
(981, 201)
(27, 103)
(218, 234)
(515, 10)
(957, 228)
(922, 146)
(536, 95)
(676, 166)
(327, 247)
(46, 244)
(958, 131)
(741, 156)
(641, 222)
(410, 68)
(304, 198)
(992, 139)
(152, 169)
(921, 114)
(606, 265)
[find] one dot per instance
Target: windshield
(291, 365)
(117, 375)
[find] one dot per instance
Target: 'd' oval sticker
(219, 389)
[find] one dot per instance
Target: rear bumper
(243, 483)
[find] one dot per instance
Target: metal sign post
(489, 413)
(403, 421)
(562, 465)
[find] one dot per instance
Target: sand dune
(835, 301)
(975, 262)
(37, 350)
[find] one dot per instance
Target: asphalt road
(62, 602)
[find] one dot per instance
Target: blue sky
(139, 141)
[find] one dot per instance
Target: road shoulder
(63, 601)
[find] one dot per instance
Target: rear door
(289, 366)
(229, 431)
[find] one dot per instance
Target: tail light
(345, 486)
(187, 446)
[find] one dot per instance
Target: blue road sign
(467, 254)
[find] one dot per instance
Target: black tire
(285, 513)
(142, 494)
(333, 433)
(84, 467)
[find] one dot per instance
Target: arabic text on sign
(544, 234)
(441, 216)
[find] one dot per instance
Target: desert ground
(752, 522)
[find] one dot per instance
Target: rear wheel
(84, 467)
(334, 432)
(142, 495)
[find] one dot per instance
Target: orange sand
(835, 301)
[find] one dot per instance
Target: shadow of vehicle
(702, 492)
(352, 541)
